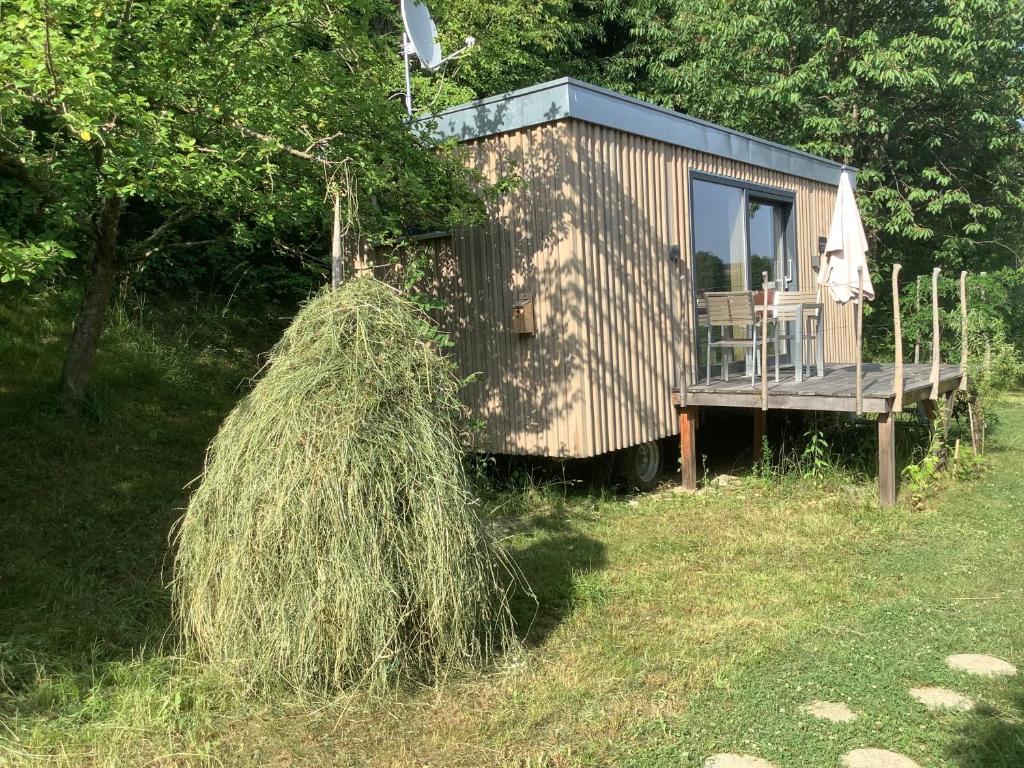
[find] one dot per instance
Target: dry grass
(332, 542)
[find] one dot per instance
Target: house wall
(588, 236)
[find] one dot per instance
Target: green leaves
(241, 112)
(22, 261)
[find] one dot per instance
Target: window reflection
(719, 252)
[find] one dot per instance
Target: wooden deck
(836, 390)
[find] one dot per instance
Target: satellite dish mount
(419, 39)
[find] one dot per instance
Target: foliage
(239, 114)
(133, 129)
(28, 260)
(995, 363)
(816, 457)
(332, 541)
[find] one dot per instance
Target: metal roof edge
(567, 97)
(526, 107)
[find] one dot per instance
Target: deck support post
(688, 447)
(760, 417)
(945, 414)
(886, 459)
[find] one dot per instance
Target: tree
(129, 125)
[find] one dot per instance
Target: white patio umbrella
(846, 247)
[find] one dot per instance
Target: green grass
(668, 627)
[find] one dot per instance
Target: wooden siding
(588, 236)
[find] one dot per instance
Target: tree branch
(300, 153)
(138, 256)
(144, 247)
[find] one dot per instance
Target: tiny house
(576, 304)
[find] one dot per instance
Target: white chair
(729, 311)
(806, 312)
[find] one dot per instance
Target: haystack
(332, 541)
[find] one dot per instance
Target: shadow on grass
(992, 738)
(554, 567)
(552, 553)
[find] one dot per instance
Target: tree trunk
(89, 323)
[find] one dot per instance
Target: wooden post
(336, 243)
(764, 341)
(886, 459)
(963, 329)
(917, 319)
(936, 351)
(760, 417)
(897, 383)
(944, 415)
(975, 435)
(688, 447)
(860, 327)
(987, 362)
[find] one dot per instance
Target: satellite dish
(421, 34)
(420, 39)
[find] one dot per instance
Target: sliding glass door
(739, 232)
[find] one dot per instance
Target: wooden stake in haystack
(342, 187)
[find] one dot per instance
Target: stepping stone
(942, 698)
(736, 761)
(877, 758)
(833, 711)
(980, 664)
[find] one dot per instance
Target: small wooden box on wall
(522, 315)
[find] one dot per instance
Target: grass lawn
(669, 627)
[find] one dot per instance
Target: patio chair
(728, 311)
(810, 327)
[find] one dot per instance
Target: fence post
(860, 331)
(897, 383)
(917, 319)
(963, 329)
(936, 350)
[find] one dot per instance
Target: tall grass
(332, 541)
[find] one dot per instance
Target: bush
(332, 541)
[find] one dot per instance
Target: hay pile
(332, 542)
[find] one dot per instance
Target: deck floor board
(836, 390)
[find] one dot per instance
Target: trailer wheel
(640, 466)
